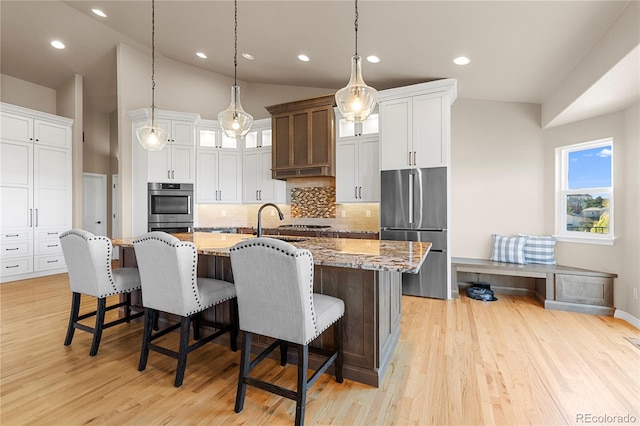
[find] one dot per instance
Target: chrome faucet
(260, 216)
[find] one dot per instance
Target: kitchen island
(365, 274)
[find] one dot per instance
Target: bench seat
(555, 286)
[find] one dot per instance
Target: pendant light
(150, 136)
(235, 122)
(357, 100)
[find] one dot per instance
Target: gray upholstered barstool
(88, 259)
(168, 269)
(274, 283)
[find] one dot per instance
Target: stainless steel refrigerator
(413, 207)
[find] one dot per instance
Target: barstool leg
(234, 323)
(245, 354)
(73, 318)
(337, 343)
(184, 350)
(97, 332)
(149, 315)
(127, 308)
(301, 395)
(284, 347)
(196, 326)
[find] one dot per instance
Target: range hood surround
(303, 138)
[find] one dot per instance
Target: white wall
(69, 104)
(22, 93)
(502, 173)
(496, 174)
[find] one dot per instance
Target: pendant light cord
(356, 26)
(235, 43)
(153, 54)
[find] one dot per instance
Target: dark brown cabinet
(303, 138)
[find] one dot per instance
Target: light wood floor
(463, 361)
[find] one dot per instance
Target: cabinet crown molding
(15, 109)
(446, 84)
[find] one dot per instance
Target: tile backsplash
(355, 217)
(313, 202)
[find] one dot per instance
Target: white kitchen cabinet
(219, 165)
(219, 177)
(358, 170)
(176, 162)
(258, 186)
(35, 191)
(415, 125)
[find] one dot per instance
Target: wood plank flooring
(458, 362)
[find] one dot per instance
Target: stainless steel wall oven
(170, 207)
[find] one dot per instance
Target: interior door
(94, 203)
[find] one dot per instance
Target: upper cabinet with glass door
(348, 129)
(259, 136)
(210, 135)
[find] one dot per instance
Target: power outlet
(273, 212)
(223, 213)
(635, 293)
(343, 213)
(367, 213)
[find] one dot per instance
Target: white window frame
(562, 191)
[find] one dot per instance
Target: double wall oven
(170, 207)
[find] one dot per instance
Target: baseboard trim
(627, 317)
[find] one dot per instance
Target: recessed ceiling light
(247, 56)
(201, 55)
(58, 44)
(303, 58)
(461, 60)
(99, 13)
(373, 59)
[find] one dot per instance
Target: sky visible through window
(590, 168)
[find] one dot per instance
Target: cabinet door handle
(12, 266)
(52, 245)
(260, 193)
(11, 235)
(414, 158)
(12, 249)
(52, 261)
(257, 195)
(37, 218)
(360, 192)
(220, 195)
(409, 157)
(30, 218)
(168, 174)
(173, 174)
(355, 192)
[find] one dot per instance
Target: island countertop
(376, 255)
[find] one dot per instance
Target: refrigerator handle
(410, 198)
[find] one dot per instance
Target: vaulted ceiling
(523, 51)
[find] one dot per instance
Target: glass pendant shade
(357, 100)
(150, 136)
(235, 122)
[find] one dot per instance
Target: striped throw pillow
(540, 249)
(508, 249)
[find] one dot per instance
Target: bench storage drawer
(584, 289)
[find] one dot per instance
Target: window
(584, 202)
